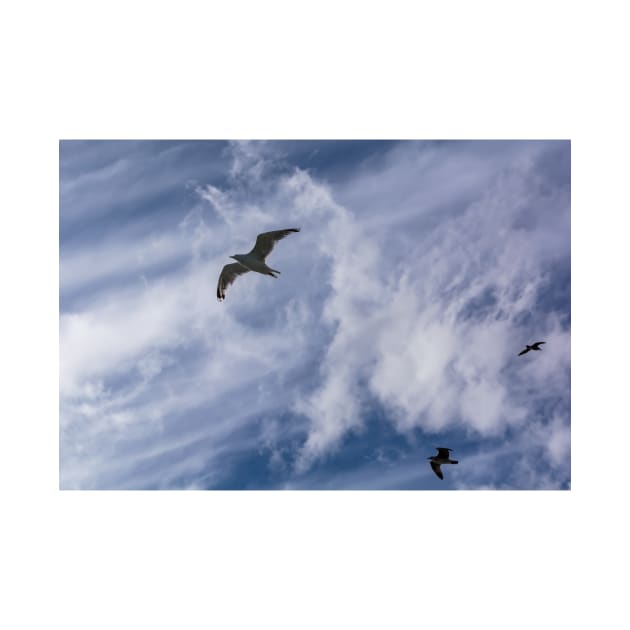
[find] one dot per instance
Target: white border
(318, 70)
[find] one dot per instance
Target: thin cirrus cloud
(422, 268)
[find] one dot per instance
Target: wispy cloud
(411, 287)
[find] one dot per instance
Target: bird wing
(523, 351)
(229, 273)
(443, 452)
(265, 242)
(537, 343)
(437, 470)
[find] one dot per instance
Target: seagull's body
(443, 457)
(252, 261)
(534, 346)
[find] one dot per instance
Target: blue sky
(421, 270)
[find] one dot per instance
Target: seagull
(253, 261)
(443, 457)
(534, 346)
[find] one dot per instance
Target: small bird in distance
(252, 261)
(534, 346)
(443, 457)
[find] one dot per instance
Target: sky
(421, 269)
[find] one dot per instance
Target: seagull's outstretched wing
(443, 452)
(266, 241)
(524, 351)
(537, 343)
(228, 275)
(437, 470)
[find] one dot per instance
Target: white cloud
(402, 325)
(414, 300)
(135, 334)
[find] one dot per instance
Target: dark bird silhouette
(443, 457)
(252, 261)
(534, 346)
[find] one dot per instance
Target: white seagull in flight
(443, 457)
(534, 346)
(253, 261)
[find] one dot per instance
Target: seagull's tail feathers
(454, 461)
